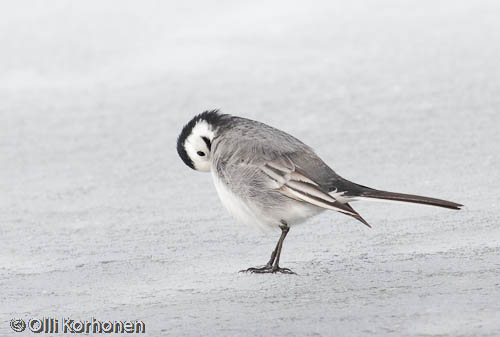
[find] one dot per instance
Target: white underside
(250, 214)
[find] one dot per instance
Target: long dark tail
(417, 199)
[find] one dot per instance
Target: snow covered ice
(99, 217)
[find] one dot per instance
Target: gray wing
(294, 183)
(251, 139)
(282, 161)
(320, 172)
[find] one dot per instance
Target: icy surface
(99, 217)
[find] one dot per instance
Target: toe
(257, 270)
(283, 271)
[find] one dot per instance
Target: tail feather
(417, 199)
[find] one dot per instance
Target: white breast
(238, 208)
(245, 211)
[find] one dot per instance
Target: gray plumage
(259, 143)
(243, 147)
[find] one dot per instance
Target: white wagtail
(267, 177)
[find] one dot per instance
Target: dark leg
(273, 265)
(269, 265)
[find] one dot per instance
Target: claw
(284, 271)
(257, 270)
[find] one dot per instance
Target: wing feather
(296, 185)
(320, 202)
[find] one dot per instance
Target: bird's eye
(200, 153)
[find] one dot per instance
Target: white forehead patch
(194, 143)
(202, 129)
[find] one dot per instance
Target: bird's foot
(267, 270)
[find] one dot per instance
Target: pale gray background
(98, 216)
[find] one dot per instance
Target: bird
(267, 177)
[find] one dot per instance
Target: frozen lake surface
(99, 217)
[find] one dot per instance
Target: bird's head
(194, 144)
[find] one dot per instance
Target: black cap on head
(212, 117)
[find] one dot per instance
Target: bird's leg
(276, 268)
(269, 264)
(273, 265)
(267, 268)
